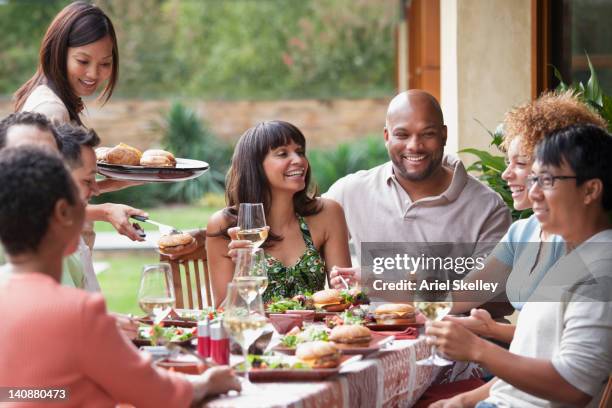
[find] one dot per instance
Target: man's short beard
(425, 174)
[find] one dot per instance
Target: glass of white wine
(244, 322)
(156, 292)
(434, 300)
(251, 268)
(252, 223)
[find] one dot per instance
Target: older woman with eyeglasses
(561, 353)
(527, 251)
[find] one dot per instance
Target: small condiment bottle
(204, 338)
(219, 344)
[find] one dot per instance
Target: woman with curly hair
(525, 253)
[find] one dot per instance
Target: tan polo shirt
(378, 209)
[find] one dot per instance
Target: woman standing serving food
(78, 55)
(308, 234)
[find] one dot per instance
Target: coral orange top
(59, 337)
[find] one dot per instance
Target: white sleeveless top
(44, 100)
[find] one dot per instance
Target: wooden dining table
(387, 378)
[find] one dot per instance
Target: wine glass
(434, 300)
(156, 292)
(252, 223)
(244, 322)
(251, 268)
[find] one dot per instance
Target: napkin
(410, 333)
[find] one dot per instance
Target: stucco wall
(324, 123)
(486, 65)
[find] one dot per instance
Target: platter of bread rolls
(125, 162)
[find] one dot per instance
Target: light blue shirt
(519, 249)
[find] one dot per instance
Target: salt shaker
(204, 338)
(219, 344)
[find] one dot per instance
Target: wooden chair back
(191, 277)
(606, 398)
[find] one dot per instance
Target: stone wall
(324, 122)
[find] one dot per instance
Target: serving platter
(185, 169)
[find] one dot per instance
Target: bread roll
(124, 154)
(157, 158)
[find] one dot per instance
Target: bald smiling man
(421, 195)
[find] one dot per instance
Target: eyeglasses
(546, 181)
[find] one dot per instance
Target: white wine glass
(244, 322)
(252, 223)
(156, 292)
(251, 268)
(433, 298)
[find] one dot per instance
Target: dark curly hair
(552, 111)
(26, 118)
(32, 180)
(587, 150)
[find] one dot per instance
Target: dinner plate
(373, 346)
(292, 374)
(146, 342)
(185, 169)
(392, 327)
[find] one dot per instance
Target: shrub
(349, 157)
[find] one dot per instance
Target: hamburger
(176, 244)
(331, 300)
(394, 313)
(122, 154)
(318, 354)
(351, 334)
(157, 158)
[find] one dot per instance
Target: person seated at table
(525, 253)
(59, 337)
(421, 195)
(308, 234)
(561, 353)
(27, 128)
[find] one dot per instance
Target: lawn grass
(182, 217)
(120, 281)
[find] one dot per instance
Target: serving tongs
(163, 228)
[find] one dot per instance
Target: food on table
(395, 313)
(157, 158)
(351, 334)
(355, 315)
(176, 243)
(282, 305)
(197, 315)
(434, 310)
(120, 154)
(318, 354)
(157, 334)
(331, 300)
(296, 336)
(358, 297)
(305, 300)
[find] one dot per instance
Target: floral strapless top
(307, 275)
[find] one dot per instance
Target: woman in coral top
(59, 337)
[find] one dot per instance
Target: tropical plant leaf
(606, 110)
(562, 85)
(487, 159)
(593, 90)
